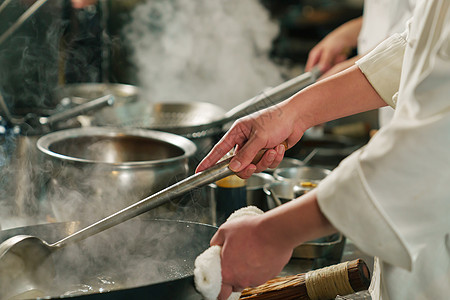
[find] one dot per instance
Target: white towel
(208, 272)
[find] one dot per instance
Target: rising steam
(213, 51)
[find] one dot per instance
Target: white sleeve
(346, 199)
(383, 65)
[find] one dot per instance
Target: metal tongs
(28, 13)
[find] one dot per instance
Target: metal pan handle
(274, 95)
(28, 13)
(78, 110)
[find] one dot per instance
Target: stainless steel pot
(109, 168)
(299, 174)
(328, 247)
(255, 192)
(135, 260)
(177, 118)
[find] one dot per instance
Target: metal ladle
(25, 267)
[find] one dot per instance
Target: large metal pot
(94, 171)
(139, 259)
(178, 118)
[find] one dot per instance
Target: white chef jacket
(392, 197)
(381, 19)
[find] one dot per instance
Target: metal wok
(139, 259)
(196, 120)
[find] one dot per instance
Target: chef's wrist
(302, 116)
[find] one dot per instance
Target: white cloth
(392, 197)
(208, 271)
(381, 19)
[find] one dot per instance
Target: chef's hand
(266, 129)
(82, 3)
(249, 257)
(335, 47)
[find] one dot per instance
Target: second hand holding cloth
(208, 271)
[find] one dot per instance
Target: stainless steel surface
(284, 190)
(287, 162)
(274, 196)
(210, 175)
(109, 168)
(170, 117)
(255, 192)
(32, 251)
(310, 156)
(298, 174)
(138, 258)
(28, 13)
(329, 246)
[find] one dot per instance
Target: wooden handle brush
(322, 284)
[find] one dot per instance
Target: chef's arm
(372, 83)
(346, 93)
(297, 221)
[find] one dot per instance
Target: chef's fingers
(247, 172)
(271, 159)
(326, 61)
(225, 291)
(254, 152)
(248, 151)
(313, 58)
(213, 156)
(217, 239)
(340, 58)
(235, 136)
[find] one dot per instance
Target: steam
(213, 51)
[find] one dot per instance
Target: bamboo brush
(322, 284)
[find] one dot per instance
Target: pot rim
(188, 147)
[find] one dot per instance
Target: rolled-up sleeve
(383, 65)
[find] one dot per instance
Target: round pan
(143, 257)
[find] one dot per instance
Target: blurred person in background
(380, 19)
(391, 197)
